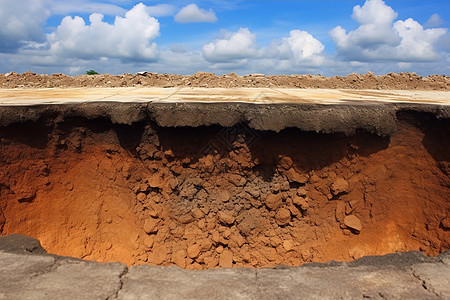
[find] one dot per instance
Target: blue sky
(328, 37)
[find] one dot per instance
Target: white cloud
(161, 10)
(129, 38)
(63, 7)
(417, 43)
(21, 22)
(300, 48)
(434, 21)
(379, 39)
(193, 14)
(234, 45)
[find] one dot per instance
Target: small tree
(91, 72)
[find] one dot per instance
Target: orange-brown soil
(143, 194)
(399, 81)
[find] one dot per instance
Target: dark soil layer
(399, 81)
(213, 196)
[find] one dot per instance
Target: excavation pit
(150, 184)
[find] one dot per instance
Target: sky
(327, 37)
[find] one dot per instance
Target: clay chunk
(273, 201)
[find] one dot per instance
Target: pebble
(340, 185)
(293, 176)
(283, 216)
(353, 222)
(300, 201)
(150, 225)
(273, 201)
(226, 218)
(193, 251)
(286, 162)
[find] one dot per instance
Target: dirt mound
(213, 196)
(400, 81)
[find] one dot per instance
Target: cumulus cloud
(193, 14)
(300, 48)
(378, 38)
(21, 22)
(129, 38)
(434, 21)
(234, 45)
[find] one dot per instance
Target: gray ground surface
(26, 272)
(331, 118)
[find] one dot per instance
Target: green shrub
(91, 72)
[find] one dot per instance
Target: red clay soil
(399, 81)
(147, 195)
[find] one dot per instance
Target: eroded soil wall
(211, 196)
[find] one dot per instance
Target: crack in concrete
(55, 265)
(122, 281)
(424, 284)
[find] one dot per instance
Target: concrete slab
(47, 277)
(214, 95)
(396, 276)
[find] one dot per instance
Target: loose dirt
(211, 196)
(399, 81)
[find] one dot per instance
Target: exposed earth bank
(98, 187)
(399, 81)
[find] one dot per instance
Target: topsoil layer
(212, 196)
(399, 81)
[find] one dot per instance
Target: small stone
(353, 222)
(193, 251)
(226, 259)
(150, 225)
(141, 197)
(300, 201)
(294, 176)
(219, 249)
(226, 218)
(339, 186)
(286, 162)
(224, 195)
(273, 201)
(283, 216)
